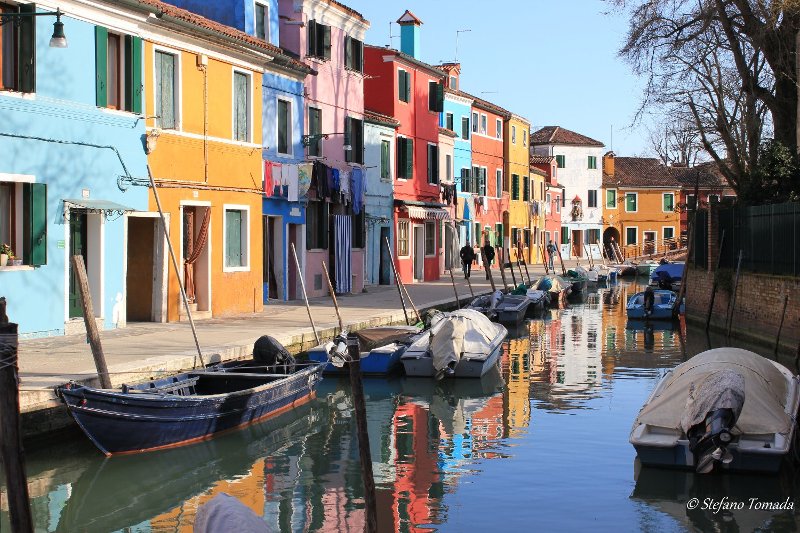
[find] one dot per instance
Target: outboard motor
(338, 352)
(273, 355)
(497, 298)
(712, 410)
(649, 301)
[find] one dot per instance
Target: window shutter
(136, 84)
(432, 96)
(312, 38)
(348, 52)
(348, 139)
(435, 150)
(406, 86)
(526, 190)
(27, 50)
(324, 226)
(326, 42)
(384, 159)
(101, 65)
(34, 230)
(409, 158)
(440, 97)
(359, 56)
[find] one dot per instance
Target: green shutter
(312, 38)
(233, 238)
(384, 159)
(440, 98)
(359, 56)
(348, 139)
(435, 164)
(324, 225)
(136, 84)
(34, 229)
(27, 50)
(409, 158)
(101, 65)
(348, 52)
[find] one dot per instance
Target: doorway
(291, 282)
(273, 258)
(384, 268)
(649, 242)
(195, 238)
(78, 245)
(144, 275)
(577, 243)
(419, 253)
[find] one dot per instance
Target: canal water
(540, 443)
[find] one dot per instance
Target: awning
(432, 213)
(105, 207)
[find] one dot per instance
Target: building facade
(518, 183)
(553, 194)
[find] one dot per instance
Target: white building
(580, 172)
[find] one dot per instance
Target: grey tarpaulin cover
(723, 389)
(765, 391)
(461, 332)
(226, 513)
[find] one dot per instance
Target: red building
(709, 183)
(399, 85)
(553, 195)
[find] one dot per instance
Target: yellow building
(203, 120)
(640, 206)
(517, 182)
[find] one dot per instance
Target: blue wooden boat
(664, 307)
(381, 348)
(187, 407)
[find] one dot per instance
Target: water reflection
(449, 455)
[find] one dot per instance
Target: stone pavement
(143, 350)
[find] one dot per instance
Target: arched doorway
(611, 234)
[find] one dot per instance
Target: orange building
(203, 122)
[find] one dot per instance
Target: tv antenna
(455, 60)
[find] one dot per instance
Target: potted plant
(6, 253)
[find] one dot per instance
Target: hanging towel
(276, 177)
(343, 229)
(485, 200)
(359, 189)
(268, 178)
(319, 180)
(466, 210)
(344, 184)
(304, 172)
(331, 188)
(336, 180)
(292, 183)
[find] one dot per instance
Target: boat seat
(180, 387)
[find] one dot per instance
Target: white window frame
(290, 144)
(637, 202)
(476, 119)
(664, 232)
(484, 124)
(637, 235)
(616, 203)
(498, 123)
(177, 86)
(663, 197)
(245, 236)
(266, 19)
(250, 122)
(407, 222)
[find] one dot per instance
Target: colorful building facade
(553, 194)
(517, 182)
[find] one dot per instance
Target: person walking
(467, 255)
(551, 252)
(488, 253)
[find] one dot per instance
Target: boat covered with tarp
(726, 408)
(557, 287)
(668, 275)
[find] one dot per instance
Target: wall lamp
(58, 40)
(313, 138)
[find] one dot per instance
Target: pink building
(328, 36)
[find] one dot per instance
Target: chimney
(608, 163)
(409, 34)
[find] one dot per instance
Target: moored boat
(726, 408)
(660, 307)
(504, 308)
(668, 276)
(557, 288)
(381, 348)
(645, 268)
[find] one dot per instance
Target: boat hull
(380, 361)
(129, 422)
(467, 367)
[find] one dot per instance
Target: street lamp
(58, 40)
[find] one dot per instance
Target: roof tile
(559, 135)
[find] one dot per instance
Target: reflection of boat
(491, 383)
(463, 343)
(186, 407)
(662, 308)
(116, 493)
(578, 281)
(669, 490)
(647, 325)
(381, 348)
(727, 408)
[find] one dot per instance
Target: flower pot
(3, 260)
(16, 262)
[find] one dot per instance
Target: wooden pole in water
(333, 295)
(525, 264)
(561, 260)
(488, 270)
(602, 255)
(714, 284)
(502, 270)
(91, 326)
(397, 280)
(357, 388)
(733, 298)
(11, 449)
(414, 307)
(780, 327)
(519, 265)
(453, 281)
(544, 259)
(305, 296)
(685, 273)
(511, 267)
(175, 265)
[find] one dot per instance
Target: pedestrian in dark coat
(467, 255)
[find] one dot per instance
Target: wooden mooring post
(357, 388)
(502, 269)
(305, 295)
(733, 298)
(488, 270)
(780, 327)
(714, 284)
(11, 449)
(397, 279)
(91, 325)
(511, 267)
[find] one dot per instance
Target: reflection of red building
(553, 195)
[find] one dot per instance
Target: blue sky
(552, 61)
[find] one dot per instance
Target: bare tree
(676, 140)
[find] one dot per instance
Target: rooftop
(559, 135)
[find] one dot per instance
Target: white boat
(463, 344)
(725, 408)
(505, 308)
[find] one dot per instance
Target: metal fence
(700, 248)
(767, 235)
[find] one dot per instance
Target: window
(448, 121)
(236, 238)
(564, 235)
(479, 181)
(386, 172)
(514, 236)
(669, 202)
(526, 189)
(514, 187)
(498, 178)
(564, 199)
(405, 158)
(513, 135)
(464, 128)
(114, 76)
(548, 199)
(592, 236)
(592, 162)
(453, 82)
(560, 161)
(315, 128)
(669, 233)
(358, 229)
(319, 40)
(484, 124)
(317, 225)
(17, 51)
(448, 164)
(430, 239)
(166, 90)
(592, 200)
(354, 138)
(498, 234)
(353, 54)
(498, 128)
(262, 21)
(713, 198)
(435, 96)
(474, 122)
(284, 127)
(23, 220)
(466, 180)
(691, 202)
(403, 85)
(631, 199)
(402, 238)
(630, 235)
(558, 203)
(433, 164)
(525, 138)
(611, 198)
(241, 106)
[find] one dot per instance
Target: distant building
(553, 193)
